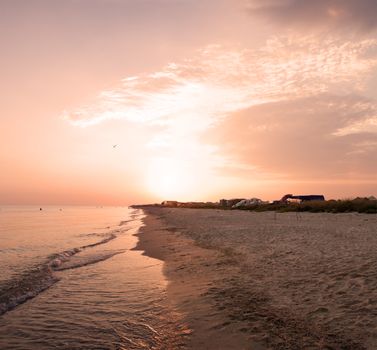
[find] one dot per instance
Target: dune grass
(359, 205)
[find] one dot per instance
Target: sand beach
(247, 280)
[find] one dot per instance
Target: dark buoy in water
(40, 208)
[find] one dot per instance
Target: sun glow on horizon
(169, 178)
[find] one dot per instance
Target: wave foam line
(27, 286)
(87, 260)
(36, 280)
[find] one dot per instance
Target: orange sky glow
(115, 102)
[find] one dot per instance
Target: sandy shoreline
(264, 280)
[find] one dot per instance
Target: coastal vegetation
(359, 205)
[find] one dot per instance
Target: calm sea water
(69, 279)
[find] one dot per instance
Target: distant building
(249, 203)
(170, 203)
(228, 203)
(301, 198)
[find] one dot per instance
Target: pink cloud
(256, 112)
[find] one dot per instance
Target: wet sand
(249, 280)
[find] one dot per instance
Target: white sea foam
(33, 280)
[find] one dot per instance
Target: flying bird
(115, 146)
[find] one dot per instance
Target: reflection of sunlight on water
(119, 303)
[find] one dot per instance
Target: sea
(70, 279)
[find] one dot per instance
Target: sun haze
(120, 102)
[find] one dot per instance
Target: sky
(115, 102)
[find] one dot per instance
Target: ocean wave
(39, 278)
(25, 287)
(80, 261)
(103, 234)
(109, 238)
